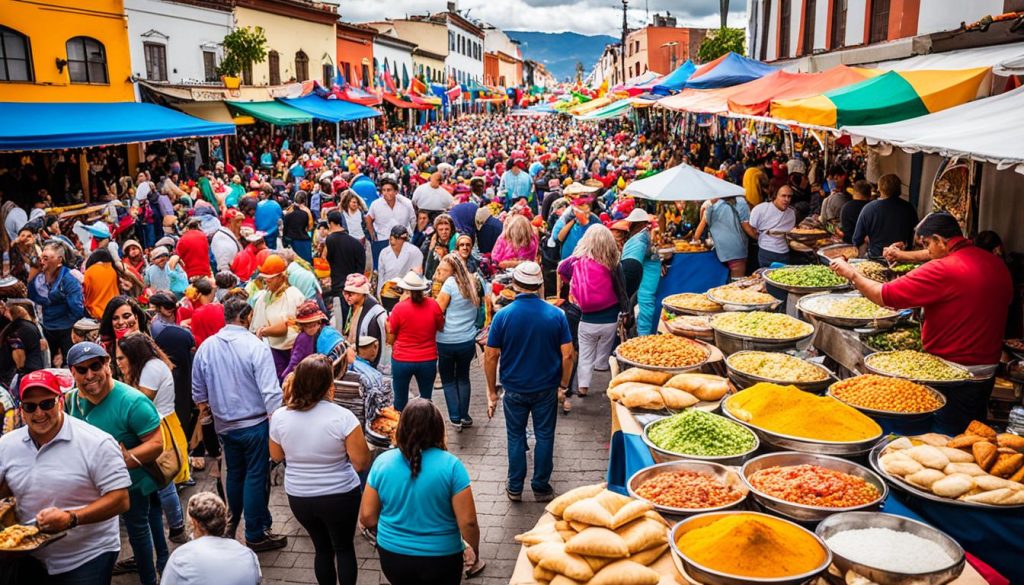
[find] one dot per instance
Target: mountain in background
(559, 52)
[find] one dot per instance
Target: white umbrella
(682, 183)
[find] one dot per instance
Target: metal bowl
(808, 306)
(666, 455)
(733, 306)
(722, 473)
(802, 512)
(803, 444)
(684, 311)
(903, 416)
(827, 253)
(933, 383)
(744, 379)
(858, 520)
(730, 343)
(712, 577)
(678, 370)
(803, 290)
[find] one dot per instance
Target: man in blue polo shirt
(532, 339)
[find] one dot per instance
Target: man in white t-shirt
(397, 260)
(432, 197)
(767, 222)
(385, 213)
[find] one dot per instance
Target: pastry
(640, 375)
(1006, 465)
(558, 505)
(1015, 442)
(964, 441)
(981, 429)
(984, 454)
(598, 542)
(953, 486)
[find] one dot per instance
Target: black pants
(331, 524)
(58, 339)
(964, 402)
(410, 570)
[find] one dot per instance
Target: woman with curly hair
(324, 446)
(122, 315)
(419, 500)
(516, 244)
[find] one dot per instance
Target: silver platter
(707, 355)
(723, 474)
(745, 379)
(667, 455)
(934, 383)
(905, 416)
(806, 305)
(802, 289)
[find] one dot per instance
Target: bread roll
(953, 486)
(638, 395)
(640, 375)
(971, 469)
(900, 466)
(956, 455)
(933, 439)
(598, 542)
(928, 456)
(900, 444)
(677, 399)
(925, 478)
(558, 505)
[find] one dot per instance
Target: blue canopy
(45, 125)
(729, 70)
(676, 80)
(331, 110)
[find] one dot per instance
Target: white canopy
(682, 183)
(989, 129)
(1003, 59)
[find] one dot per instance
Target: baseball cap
(528, 273)
(273, 266)
(85, 351)
(40, 379)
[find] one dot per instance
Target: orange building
(660, 48)
(355, 52)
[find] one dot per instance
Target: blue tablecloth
(692, 273)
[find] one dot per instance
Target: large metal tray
(722, 473)
(802, 289)
(745, 379)
(730, 343)
(707, 355)
(802, 444)
(802, 512)
(807, 304)
(898, 483)
(858, 520)
(733, 306)
(903, 416)
(933, 383)
(667, 455)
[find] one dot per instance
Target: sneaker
(177, 535)
(270, 541)
(543, 496)
(458, 426)
(467, 422)
(125, 566)
(186, 484)
(514, 496)
(477, 568)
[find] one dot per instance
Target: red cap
(40, 379)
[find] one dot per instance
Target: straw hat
(411, 281)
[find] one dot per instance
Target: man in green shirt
(131, 418)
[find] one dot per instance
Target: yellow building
(301, 42)
(64, 51)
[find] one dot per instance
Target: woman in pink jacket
(591, 274)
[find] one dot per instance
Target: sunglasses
(31, 407)
(95, 367)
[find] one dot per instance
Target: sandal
(566, 405)
(197, 463)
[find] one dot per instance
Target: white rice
(889, 550)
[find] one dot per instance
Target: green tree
(242, 48)
(720, 42)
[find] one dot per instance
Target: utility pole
(723, 6)
(622, 56)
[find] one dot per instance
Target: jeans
(247, 459)
(543, 406)
(331, 523)
(402, 569)
(171, 505)
(144, 524)
(596, 342)
(149, 235)
(765, 258)
(403, 372)
(97, 571)
(271, 240)
(453, 361)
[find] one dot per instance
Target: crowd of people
(205, 320)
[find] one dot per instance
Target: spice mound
(695, 432)
(890, 550)
(663, 351)
(750, 545)
(813, 485)
(776, 366)
(689, 490)
(812, 275)
(886, 394)
(762, 325)
(787, 410)
(915, 365)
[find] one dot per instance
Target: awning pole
(337, 134)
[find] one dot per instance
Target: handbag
(166, 466)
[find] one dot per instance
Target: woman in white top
(209, 557)
(325, 449)
(353, 214)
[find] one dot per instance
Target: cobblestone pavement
(581, 457)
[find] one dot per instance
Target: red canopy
(399, 102)
(755, 97)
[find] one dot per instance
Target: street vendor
(965, 293)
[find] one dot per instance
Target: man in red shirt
(249, 259)
(965, 293)
(194, 250)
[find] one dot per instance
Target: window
(15, 56)
(301, 66)
(451, 41)
(785, 15)
(366, 74)
(405, 76)
(327, 72)
(766, 18)
(879, 21)
(247, 73)
(156, 61)
(810, 8)
(210, 66)
(274, 64)
(838, 24)
(87, 60)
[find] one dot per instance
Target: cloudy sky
(587, 17)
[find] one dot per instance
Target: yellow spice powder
(748, 545)
(790, 411)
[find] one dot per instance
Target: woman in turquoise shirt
(419, 500)
(637, 257)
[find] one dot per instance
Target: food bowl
(813, 305)
(679, 310)
(920, 380)
(745, 379)
(709, 576)
(803, 512)
(721, 472)
(890, 414)
(730, 343)
(678, 369)
(858, 520)
(802, 289)
(665, 455)
(736, 306)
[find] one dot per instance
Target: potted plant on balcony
(242, 48)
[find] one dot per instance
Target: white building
(392, 53)
(465, 60)
(175, 42)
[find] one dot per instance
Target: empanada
(995, 497)
(640, 375)
(612, 501)
(598, 542)
(925, 478)
(577, 527)
(956, 455)
(630, 512)
(971, 469)
(964, 441)
(1006, 465)
(544, 533)
(626, 572)
(598, 563)
(643, 534)
(646, 396)
(677, 399)
(928, 456)
(572, 566)
(985, 454)
(563, 580)
(1015, 442)
(558, 505)
(536, 552)
(981, 429)
(590, 512)
(953, 486)
(646, 557)
(542, 574)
